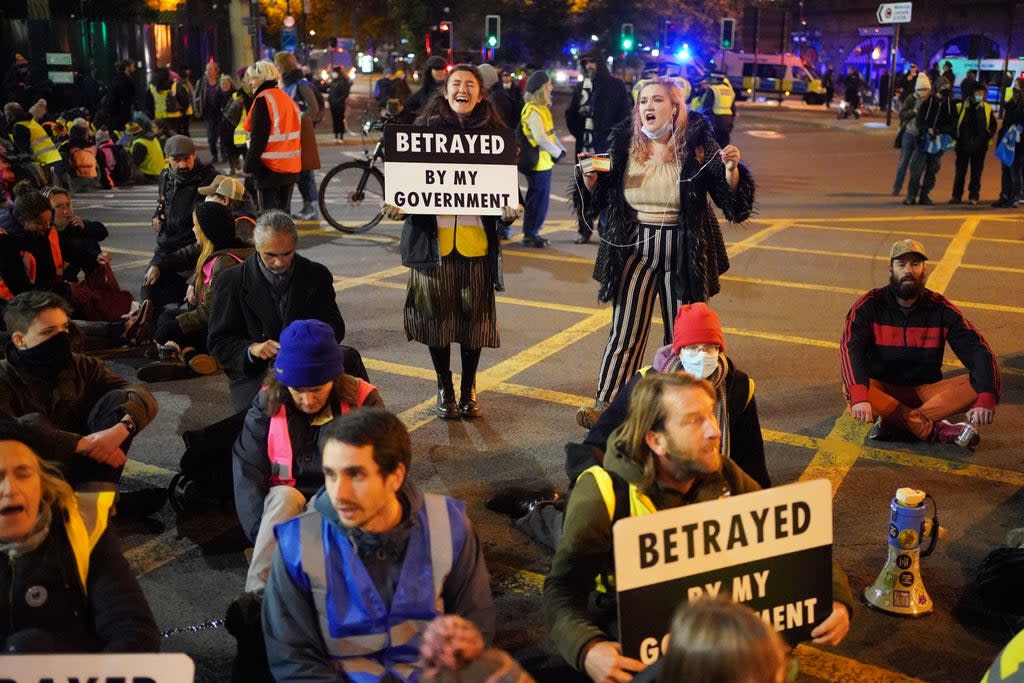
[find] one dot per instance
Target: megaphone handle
(934, 535)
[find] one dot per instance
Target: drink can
(966, 436)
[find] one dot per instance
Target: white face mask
(699, 363)
(654, 135)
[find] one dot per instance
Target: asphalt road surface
(820, 238)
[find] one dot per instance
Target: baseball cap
(907, 247)
(225, 186)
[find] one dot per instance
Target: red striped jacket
(885, 342)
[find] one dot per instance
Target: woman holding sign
(455, 261)
(659, 235)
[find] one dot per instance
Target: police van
(989, 72)
(772, 73)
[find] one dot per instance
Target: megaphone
(898, 588)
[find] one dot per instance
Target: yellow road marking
(344, 282)
(793, 285)
(940, 277)
(757, 238)
(786, 338)
(872, 231)
(130, 252)
(125, 265)
(998, 269)
(829, 666)
(821, 252)
(837, 452)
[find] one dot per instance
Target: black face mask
(47, 359)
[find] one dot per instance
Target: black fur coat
(697, 236)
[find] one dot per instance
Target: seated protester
(80, 153)
(72, 400)
(386, 558)
(231, 193)
(276, 457)
(30, 253)
(665, 455)
(272, 288)
(79, 239)
(147, 151)
(698, 347)
(114, 163)
(68, 588)
(716, 639)
(181, 330)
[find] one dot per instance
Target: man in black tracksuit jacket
(891, 354)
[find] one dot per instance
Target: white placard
(171, 667)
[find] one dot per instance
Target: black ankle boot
(469, 407)
(446, 407)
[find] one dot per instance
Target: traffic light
(626, 37)
(444, 35)
(728, 37)
(492, 30)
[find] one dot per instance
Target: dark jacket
(250, 462)
(884, 342)
(15, 239)
(245, 313)
(938, 114)
(108, 614)
(976, 124)
(292, 627)
(177, 197)
(611, 104)
(509, 103)
(699, 245)
(258, 136)
(121, 98)
(67, 399)
(746, 447)
(80, 247)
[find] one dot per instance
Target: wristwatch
(129, 424)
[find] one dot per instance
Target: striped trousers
(647, 275)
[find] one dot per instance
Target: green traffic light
(627, 44)
(492, 41)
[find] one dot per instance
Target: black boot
(446, 407)
(469, 407)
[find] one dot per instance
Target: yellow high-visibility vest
(41, 144)
(160, 102)
(544, 160)
(154, 161)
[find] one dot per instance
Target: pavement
(820, 236)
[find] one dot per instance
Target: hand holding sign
(604, 663)
(392, 212)
(510, 215)
(834, 628)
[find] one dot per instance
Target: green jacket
(574, 610)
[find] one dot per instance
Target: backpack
(205, 467)
(173, 106)
(83, 162)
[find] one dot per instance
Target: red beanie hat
(696, 324)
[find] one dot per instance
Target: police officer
(723, 110)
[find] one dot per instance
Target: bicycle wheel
(351, 195)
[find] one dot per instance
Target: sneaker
(909, 201)
(168, 351)
(536, 242)
(925, 200)
(587, 416)
(164, 371)
(947, 432)
(1001, 203)
(973, 201)
(582, 239)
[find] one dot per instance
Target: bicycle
(352, 192)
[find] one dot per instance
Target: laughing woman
(455, 261)
(659, 235)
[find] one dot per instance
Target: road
(819, 238)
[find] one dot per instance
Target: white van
(990, 73)
(774, 73)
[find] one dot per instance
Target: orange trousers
(917, 408)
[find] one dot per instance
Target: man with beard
(178, 195)
(665, 455)
(891, 353)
